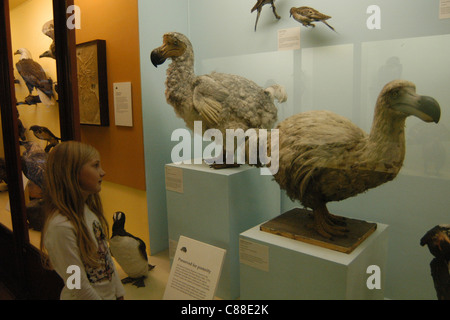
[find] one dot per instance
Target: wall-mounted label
(289, 39)
(444, 9)
(123, 105)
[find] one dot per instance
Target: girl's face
(91, 176)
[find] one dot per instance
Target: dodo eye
(395, 94)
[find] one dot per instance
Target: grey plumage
(324, 157)
(44, 133)
(221, 101)
(49, 30)
(34, 160)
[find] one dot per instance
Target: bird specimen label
(444, 9)
(174, 179)
(289, 39)
(254, 254)
(195, 271)
(123, 106)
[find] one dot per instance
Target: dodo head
(174, 45)
(400, 96)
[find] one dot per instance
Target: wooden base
(294, 224)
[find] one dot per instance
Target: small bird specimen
(49, 30)
(44, 133)
(221, 101)
(258, 6)
(324, 157)
(35, 77)
(438, 241)
(3, 175)
(30, 100)
(129, 251)
(307, 15)
(34, 159)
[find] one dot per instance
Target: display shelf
(275, 267)
(215, 206)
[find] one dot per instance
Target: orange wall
(121, 148)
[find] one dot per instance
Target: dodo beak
(171, 48)
(423, 107)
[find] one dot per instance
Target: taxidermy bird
(438, 241)
(307, 15)
(30, 100)
(324, 157)
(34, 160)
(258, 6)
(221, 101)
(129, 251)
(49, 30)
(35, 77)
(44, 133)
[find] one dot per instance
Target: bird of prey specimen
(35, 77)
(44, 133)
(324, 157)
(221, 101)
(258, 7)
(130, 252)
(438, 241)
(34, 160)
(307, 15)
(3, 175)
(49, 30)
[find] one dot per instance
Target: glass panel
(37, 101)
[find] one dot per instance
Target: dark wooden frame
(20, 267)
(102, 82)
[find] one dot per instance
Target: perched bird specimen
(258, 6)
(34, 159)
(438, 241)
(324, 157)
(35, 77)
(49, 30)
(129, 251)
(44, 133)
(221, 101)
(307, 15)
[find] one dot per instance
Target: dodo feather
(324, 157)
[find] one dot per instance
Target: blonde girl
(75, 233)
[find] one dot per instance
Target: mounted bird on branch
(220, 101)
(324, 157)
(258, 7)
(35, 77)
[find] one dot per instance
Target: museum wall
(120, 146)
(340, 71)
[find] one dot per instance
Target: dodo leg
(326, 224)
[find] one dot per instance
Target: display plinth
(275, 267)
(215, 206)
(294, 224)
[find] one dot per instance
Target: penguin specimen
(438, 241)
(129, 251)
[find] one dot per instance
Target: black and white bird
(35, 77)
(438, 241)
(44, 133)
(129, 251)
(258, 7)
(49, 30)
(34, 160)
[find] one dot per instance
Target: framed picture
(92, 83)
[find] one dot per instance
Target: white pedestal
(215, 206)
(274, 267)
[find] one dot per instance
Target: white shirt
(100, 283)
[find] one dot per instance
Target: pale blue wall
(342, 72)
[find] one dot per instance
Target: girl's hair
(63, 195)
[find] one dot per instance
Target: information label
(174, 179)
(195, 271)
(123, 106)
(444, 9)
(254, 254)
(289, 39)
